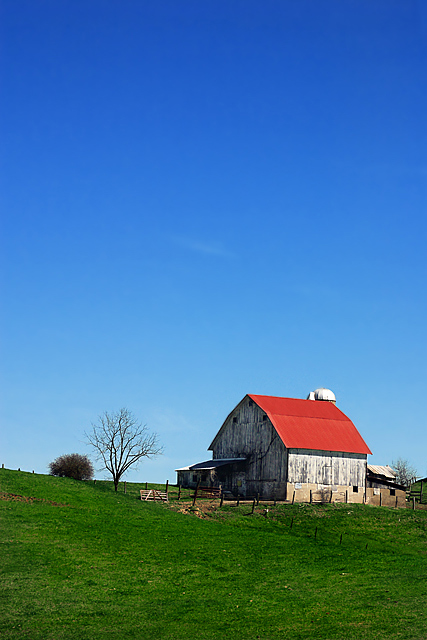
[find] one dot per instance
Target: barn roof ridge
(311, 424)
(315, 407)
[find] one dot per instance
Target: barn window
(392, 492)
(195, 477)
(264, 418)
(234, 419)
(355, 489)
(251, 403)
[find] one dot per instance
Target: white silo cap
(324, 394)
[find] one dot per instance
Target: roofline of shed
(214, 462)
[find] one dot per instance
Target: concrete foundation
(315, 493)
(386, 497)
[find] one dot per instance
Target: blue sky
(206, 199)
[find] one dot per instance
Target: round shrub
(72, 465)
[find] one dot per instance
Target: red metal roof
(312, 424)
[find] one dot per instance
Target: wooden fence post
(293, 497)
(238, 500)
(167, 486)
(253, 505)
(311, 497)
(195, 493)
(179, 492)
(146, 486)
(381, 498)
(257, 499)
(125, 487)
(413, 502)
(222, 497)
(346, 496)
(421, 492)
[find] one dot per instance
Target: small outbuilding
(382, 488)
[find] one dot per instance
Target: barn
(286, 448)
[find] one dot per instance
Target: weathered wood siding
(248, 433)
(326, 467)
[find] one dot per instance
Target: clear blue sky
(206, 199)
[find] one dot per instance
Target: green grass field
(82, 562)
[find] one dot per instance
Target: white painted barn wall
(326, 467)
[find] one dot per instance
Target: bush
(72, 465)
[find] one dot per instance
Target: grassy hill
(79, 561)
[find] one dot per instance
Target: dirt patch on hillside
(207, 508)
(15, 497)
(201, 510)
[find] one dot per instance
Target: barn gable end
(249, 433)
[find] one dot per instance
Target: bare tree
(120, 441)
(405, 473)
